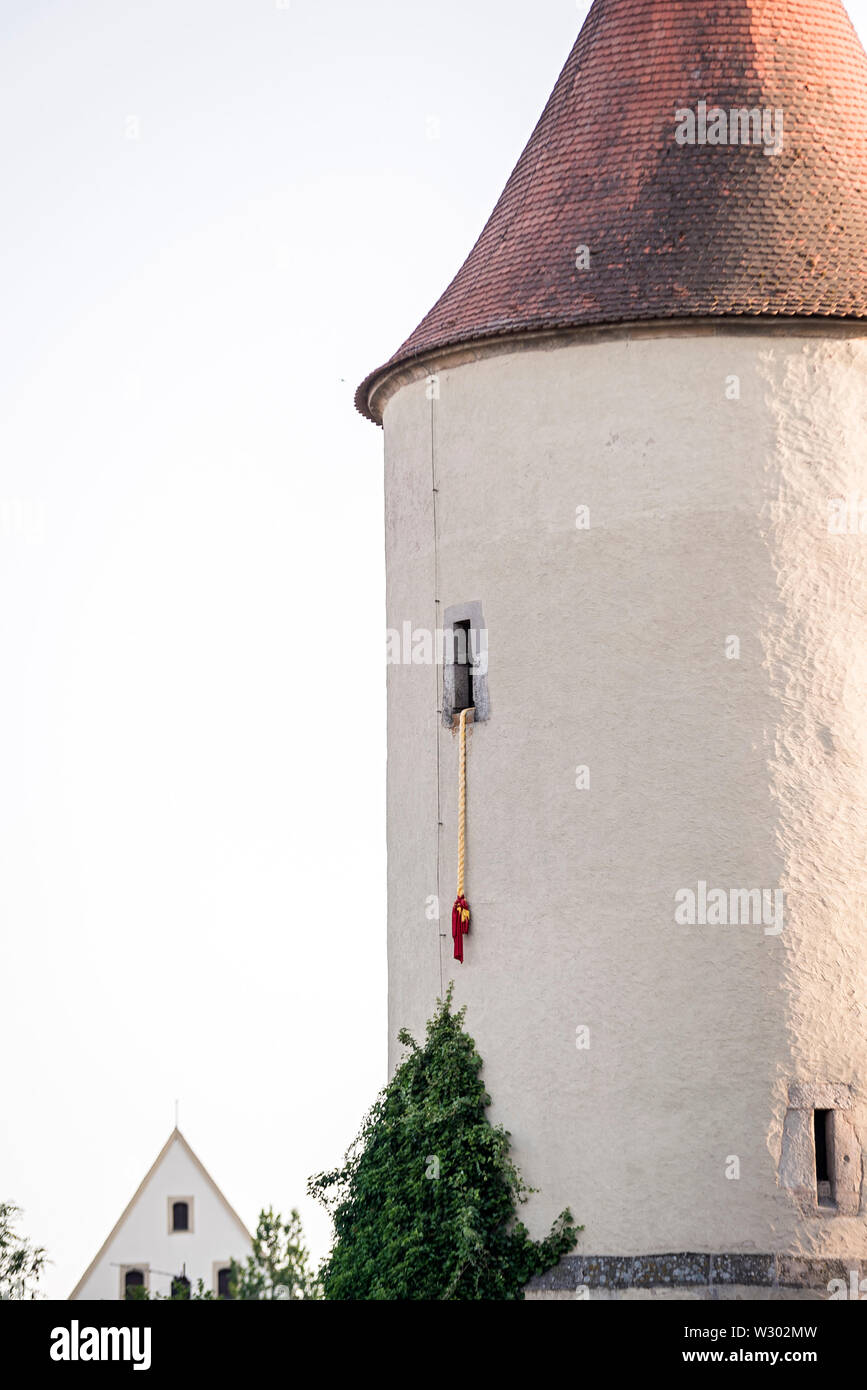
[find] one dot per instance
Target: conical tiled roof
(677, 230)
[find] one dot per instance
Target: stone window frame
(190, 1226)
(473, 614)
(798, 1151)
(145, 1269)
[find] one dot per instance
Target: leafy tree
(279, 1267)
(21, 1263)
(425, 1206)
(185, 1292)
(182, 1292)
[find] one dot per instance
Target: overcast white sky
(217, 216)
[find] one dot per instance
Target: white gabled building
(178, 1225)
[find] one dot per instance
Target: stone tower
(628, 445)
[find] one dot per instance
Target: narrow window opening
(463, 661)
(821, 1125)
(224, 1277)
(132, 1281)
(465, 665)
(180, 1216)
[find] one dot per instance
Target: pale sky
(218, 215)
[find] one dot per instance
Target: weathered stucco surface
(607, 649)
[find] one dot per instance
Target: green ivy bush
(425, 1206)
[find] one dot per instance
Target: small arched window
(133, 1279)
(224, 1276)
(180, 1216)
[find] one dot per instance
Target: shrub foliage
(425, 1206)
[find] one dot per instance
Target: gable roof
(676, 231)
(174, 1138)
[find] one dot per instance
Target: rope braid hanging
(461, 909)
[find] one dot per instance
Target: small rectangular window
(465, 665)
(463, 662)
(180, 1214)
(821, 1126)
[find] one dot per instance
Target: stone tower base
(701, 1278)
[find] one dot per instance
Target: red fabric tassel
(460, 926)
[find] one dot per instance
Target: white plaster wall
(144, 1237)
(607, 648)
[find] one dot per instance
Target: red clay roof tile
(677, 230)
